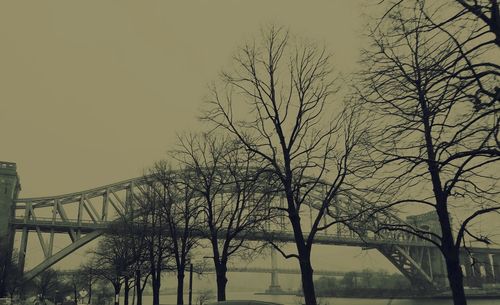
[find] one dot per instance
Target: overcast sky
(92, 92)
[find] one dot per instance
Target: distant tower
(427, 221)
(435, 264)
(274, 287)
(9, 189)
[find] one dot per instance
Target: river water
(294, 300)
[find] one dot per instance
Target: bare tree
(181, 213)
(46, 283)
(112, 257)
(102, 292)
(157, 238)
(278, 103)
(132, 228)
(233, 199)
(74, 281)
(485, 11)
(88, 278)
(204, 297)
(473, 28)
(429, 135)
(139, 260)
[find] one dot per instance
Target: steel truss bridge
(83, 216)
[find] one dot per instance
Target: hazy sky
(93, 92)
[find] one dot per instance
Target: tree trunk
(455, 278)
(75, 294)
(452, 258)
(221, 270)
(133, 295)
(306, 271)
(156, 283)
(138, 294)
(180, 286)
(138, 288)
(450, 252)
(2, 284)
(126, 292)
(304, 253)
(117, 294)
(90, 294)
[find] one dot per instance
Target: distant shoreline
(363, 294)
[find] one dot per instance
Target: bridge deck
(49, 225)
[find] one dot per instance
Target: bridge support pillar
(9, 189)
(274, 287)
(438, 267)
(483, 260)
(496, 267)
(435, 267)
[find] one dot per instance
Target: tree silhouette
(436, 148)
(278, 103)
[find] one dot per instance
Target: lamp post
(198, 263)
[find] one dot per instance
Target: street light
(191, 279)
